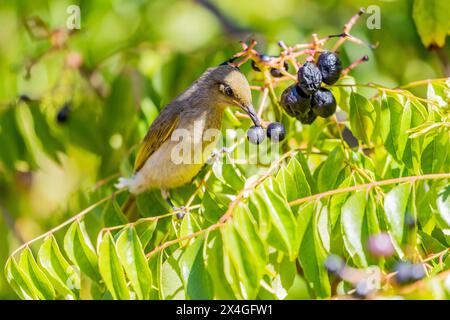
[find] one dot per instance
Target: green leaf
(352, 220)
(112, 214)
(405, 124)
(196, 279)
(329, 171)
(336, 202)
(443, 205)
(283, 271)
(293, 180)
(432, 22)
(283, 234)
(345, 92)
(245, 251)
(132, 257)
(20, 281)
(383, 119)
(393, 143)
(110, 268)
(11, 140)
(39, 280)
(214, 264)
(169, 276)
(436, 152)
(65, 278)
(362, 117)
(312, 255)
(211, 208)
(145, 229)
(395, 206)
(151, 204)
(80, 251)
(50, 144)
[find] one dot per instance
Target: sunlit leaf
(20, 281)
(395, 206)
(110, 268)
(362, 117)
(132, 257)
(246, 252)
(64, 276)
(352, 219)
(432, 23)
(196, 279)
(39, 280)
(80, 251)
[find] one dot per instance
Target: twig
(370, 185)
(67, 222)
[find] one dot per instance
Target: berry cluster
(407, 272)
(306, 99)
(275, 132)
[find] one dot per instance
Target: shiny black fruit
(334, 264)
(406, 272)
(276, 73)
(330, 67)
(309, 78)
(323, 103)
(276, 131)
(308, 117)
(263, 57)
(294, 101)
(255, 134)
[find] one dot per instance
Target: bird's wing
(160, 130)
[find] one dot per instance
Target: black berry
(255, 134)
(276, 132)
(408, 272)
(330, 67)
(308, 117)
(309, 78)
(362, 289)
(334, 264)
(276, 73)
(417, 271)
(294, 101)
(403, 269)
(63, 113)
(323, 103)
(264, 58)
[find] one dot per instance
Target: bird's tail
(129, 208)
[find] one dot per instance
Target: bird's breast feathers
(178, 160)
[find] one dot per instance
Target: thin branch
(67, 222)
(370, 185)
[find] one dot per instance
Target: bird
(196, 110)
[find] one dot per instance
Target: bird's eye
(228, 91)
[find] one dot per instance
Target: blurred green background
(106, 82)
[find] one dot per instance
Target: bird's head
(230, 88)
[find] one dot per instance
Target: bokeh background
(99, 88)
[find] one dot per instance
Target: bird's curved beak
(251, 113)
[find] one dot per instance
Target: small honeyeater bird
(199, 108)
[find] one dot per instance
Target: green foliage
(431, 18)
(253, 230)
